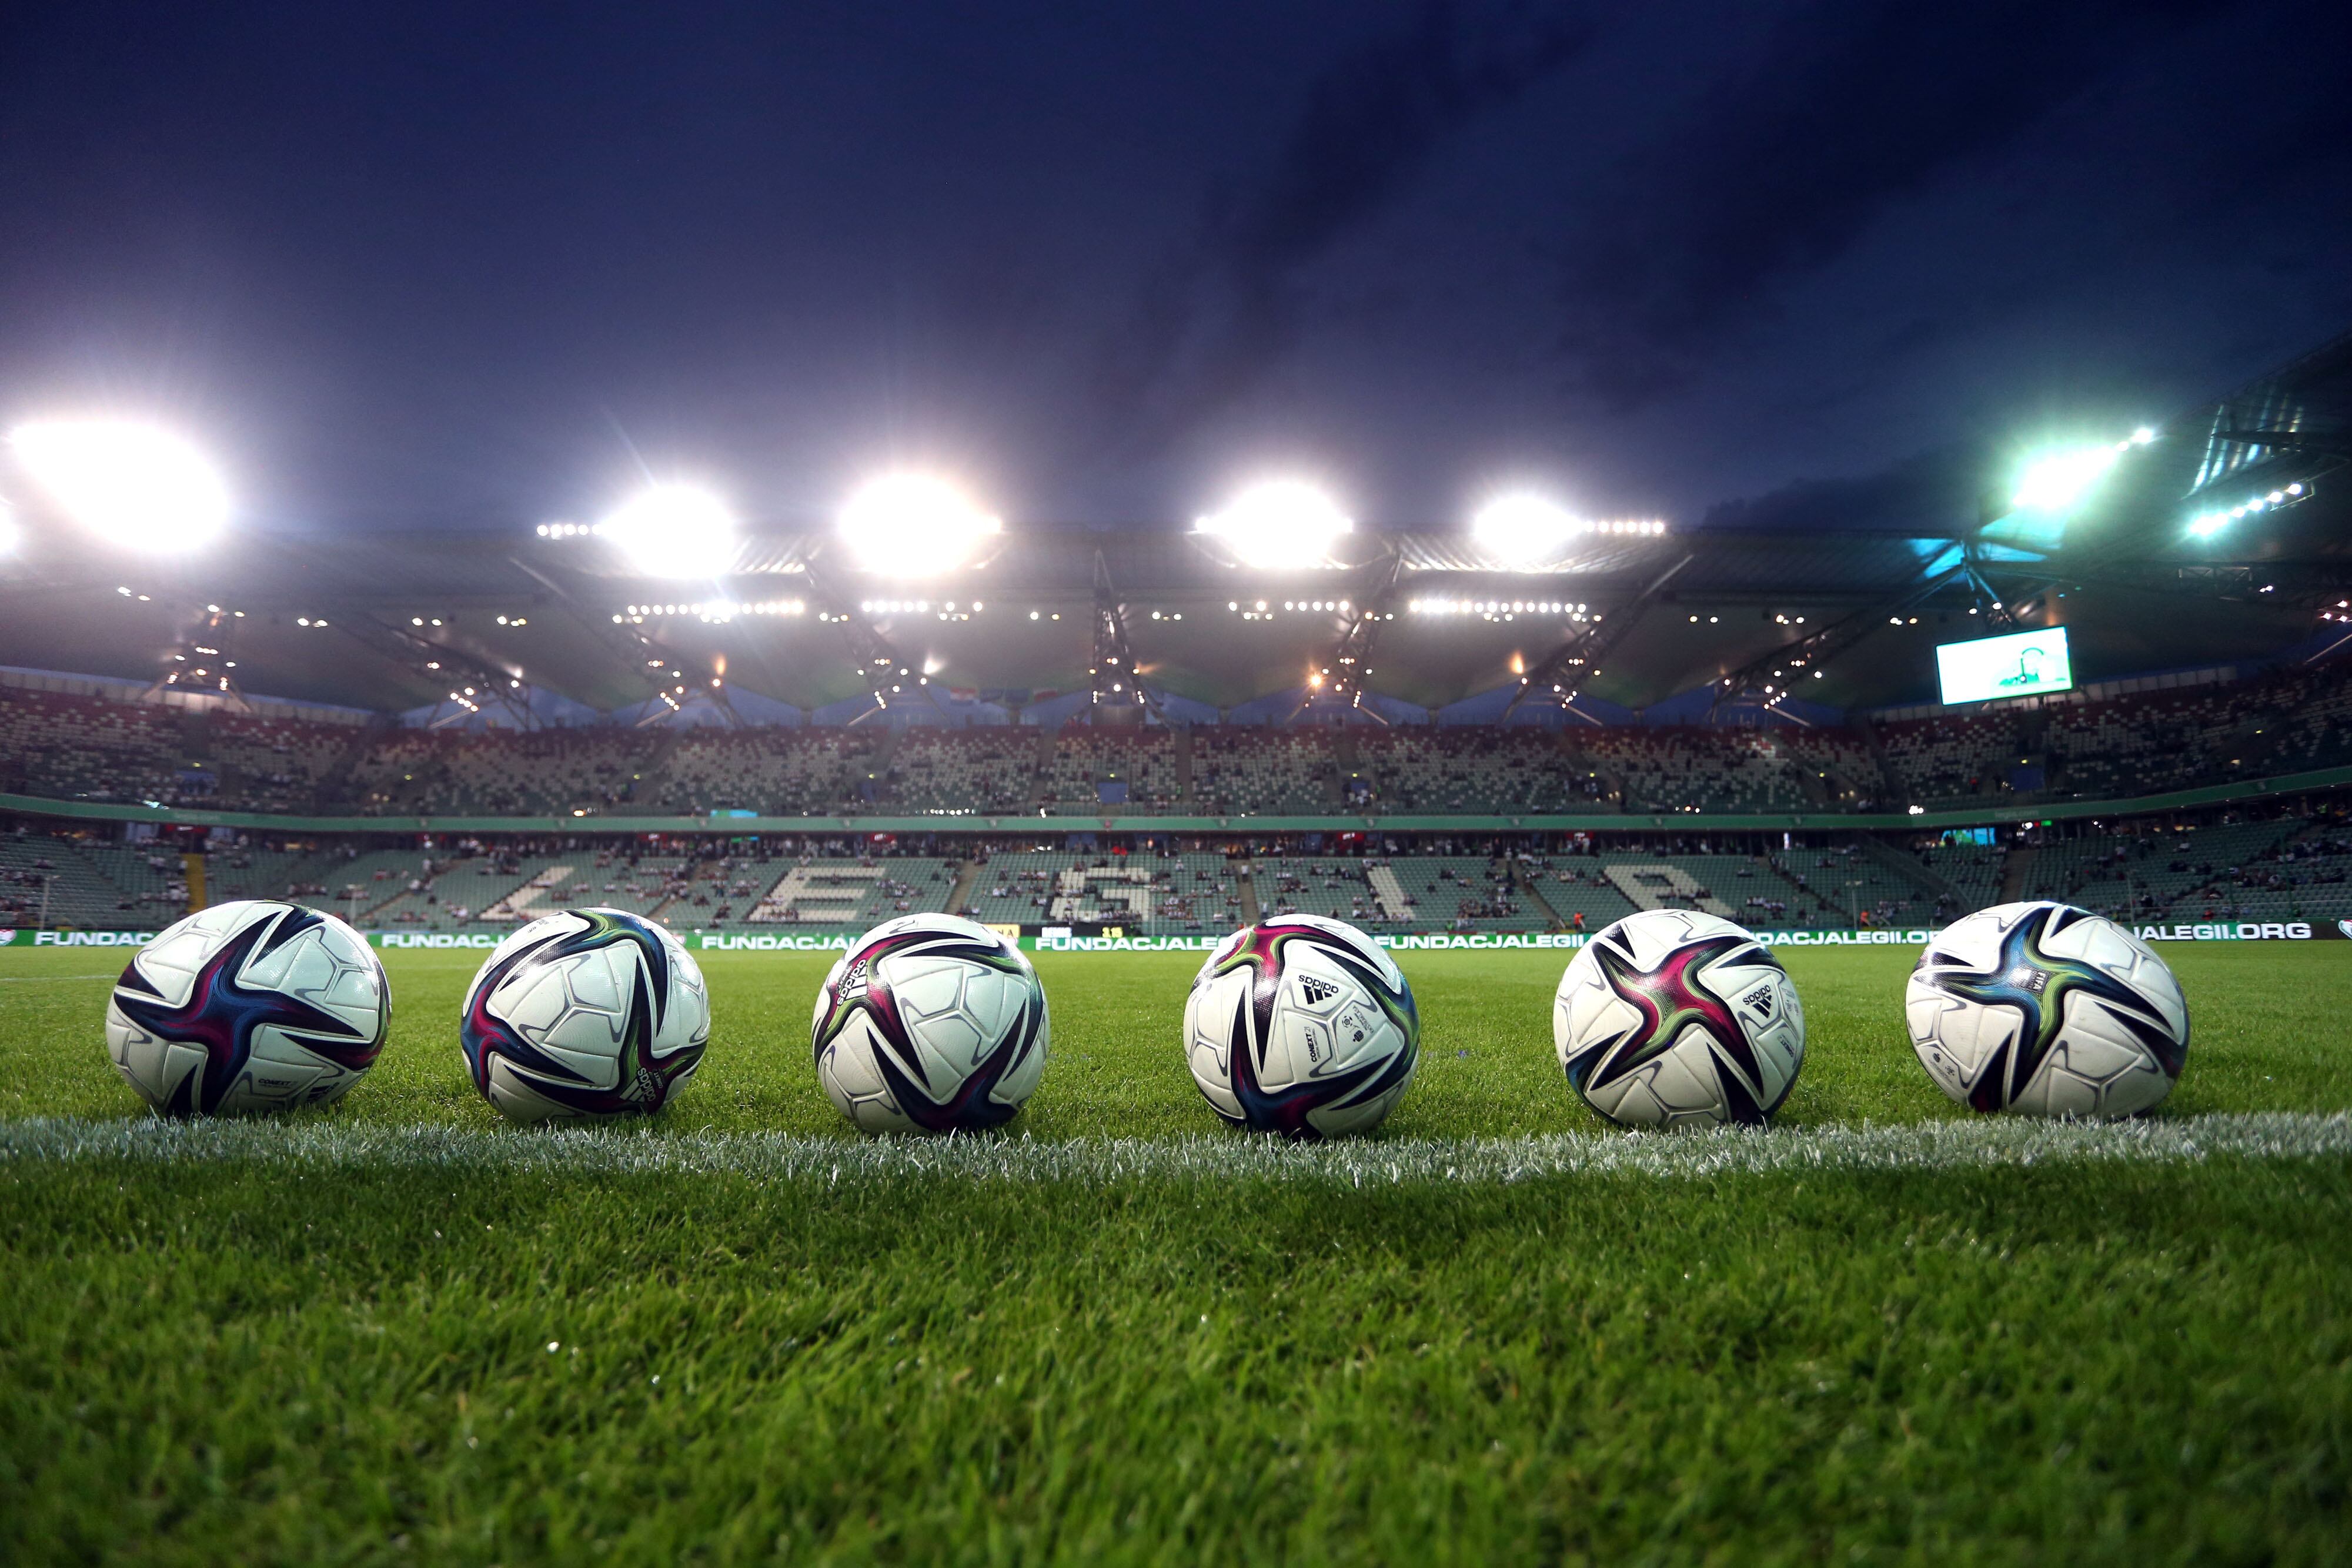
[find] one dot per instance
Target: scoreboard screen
(2022, 665)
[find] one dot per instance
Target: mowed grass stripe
(1195, 1157)
(2065, 1361)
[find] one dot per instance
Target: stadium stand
(1441, 893)
(979, 770)
(2306, 876)
(2211, 730)
(778, 773)
(1973, 870)
(297, 872)
(89, 748)
(1848, 885)
(1484, 770)
(274, 764)
(1579, 892)
(86, 883)
(1845, 769)
(383, 779)
(1263, 772)
(2204, 873)
(1955, 759)
(541, 773)
(1693, 769)
(1134, 770)
(1353, 890)
(842, 892)
(1163, 894)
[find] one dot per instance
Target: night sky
(482, 265)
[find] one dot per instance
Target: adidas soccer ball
(1301, 1026)
(2047, 1010)
(930, 1023)
(1675, 1019)
(249, 1006)
(588, 1012)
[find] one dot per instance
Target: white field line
(1938, 1146)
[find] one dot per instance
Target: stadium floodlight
(913, 524)
(673, 530)
(132, 484)
(1278, 523)
(2055, 481)
(1524, 526)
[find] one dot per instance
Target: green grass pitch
(722, 1359)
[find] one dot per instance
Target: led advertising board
(2022, 664)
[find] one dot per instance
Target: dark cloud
(1788, 160)
(1224, 306)
(1932, 493)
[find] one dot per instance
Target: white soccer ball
(587, 1012)
(1675, 1019)
(249, 1006)
(930, 1023)
(2047, 1010)
(1301, 1026)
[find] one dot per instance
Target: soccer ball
(249, 1006)
(1675, 1019)
(2047, 1010)
(930, 1023)
(1301, 1026)
(587, 1012)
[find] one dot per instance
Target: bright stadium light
(131, 484)
(2057, 480)
(1521, 525)
(673, 530)
(1278, 523)
(913, 524)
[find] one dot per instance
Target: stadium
(1537, 722)
(1801, 1027)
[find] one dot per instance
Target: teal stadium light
(673, 530)
(2058, 481)
(1278, 523)
(2207, 524)
(133, 485)
(914, 525)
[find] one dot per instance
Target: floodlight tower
(1771, 678)
(671, 678)
(1112, 669)
(877, 664)
(472, 685)
(1559, 675)
(1340, 676)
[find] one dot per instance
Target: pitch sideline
(1935, 1145)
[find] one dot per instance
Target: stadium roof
(2142, 573)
